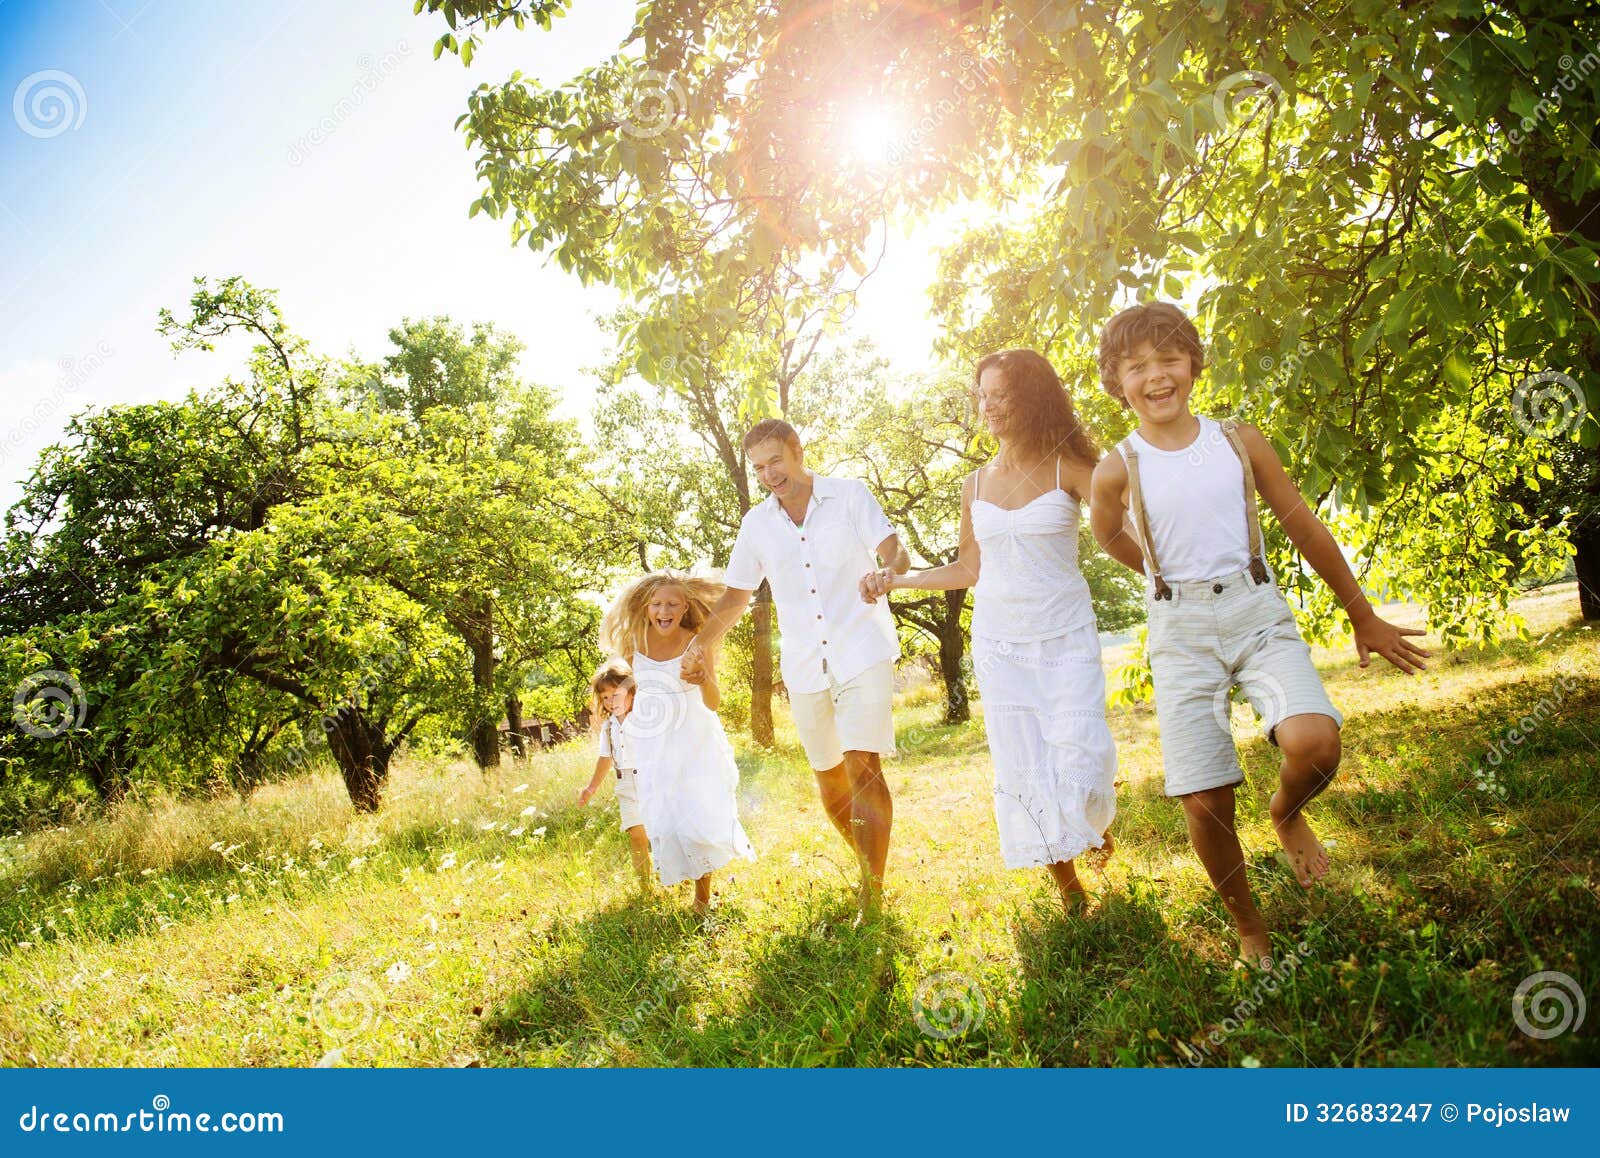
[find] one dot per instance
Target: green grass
(488, 920)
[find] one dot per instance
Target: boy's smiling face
(1156, 382)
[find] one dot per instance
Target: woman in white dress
(687, 778)
(1035, 646)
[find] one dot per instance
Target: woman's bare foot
(1098, 858)
(1255, 950)
(1307, 857)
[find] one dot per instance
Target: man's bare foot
(869, 901)
(1255, 951)
(1098, 858)
(1307, 857)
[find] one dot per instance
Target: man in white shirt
(812, 539)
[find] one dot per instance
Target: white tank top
(1029, 586)
(1194, 500)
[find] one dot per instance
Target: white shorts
(628, 798)
(852, 717)
(1212, 636)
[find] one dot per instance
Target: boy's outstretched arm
(1108, 514)
(1314, 541)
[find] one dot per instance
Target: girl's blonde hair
(622, 631)
(614, 673)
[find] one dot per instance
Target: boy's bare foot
(1307, 857)
(1255, 951)
(1098, 858)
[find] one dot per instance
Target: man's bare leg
(834, 788)
(871, 817)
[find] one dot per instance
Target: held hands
(876, 583)
(693, 668)
(1384, 638)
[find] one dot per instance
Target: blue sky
(145, 142)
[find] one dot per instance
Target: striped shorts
(1212, 636)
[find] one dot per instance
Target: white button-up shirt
(829, 633)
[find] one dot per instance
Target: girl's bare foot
(1307, 857)
(1074, 897)
(1098, 858)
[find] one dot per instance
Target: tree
(1386, 217)
(498, 488)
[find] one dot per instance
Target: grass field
(490, 921)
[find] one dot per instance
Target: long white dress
(1036, 655)
(687, 778)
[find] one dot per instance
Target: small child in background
(613, 690)
(688, 780)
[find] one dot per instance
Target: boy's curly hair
(1162, 324)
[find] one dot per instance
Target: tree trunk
(761, 669)
(485, 734)
(1587, 541)
(109, 771)
(362, 751)
(519, 743)
(952, 647)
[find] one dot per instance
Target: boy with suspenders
(1216, 616)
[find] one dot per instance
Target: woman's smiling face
(994, 404)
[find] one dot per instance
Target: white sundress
(1036, 655)
(686, 775)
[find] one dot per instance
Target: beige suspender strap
(1258, 565)
(1140, 521)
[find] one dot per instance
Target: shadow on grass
(604, 982)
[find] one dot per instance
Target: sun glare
(873, 135)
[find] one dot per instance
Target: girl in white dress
(687, 778)
(1035, 646)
